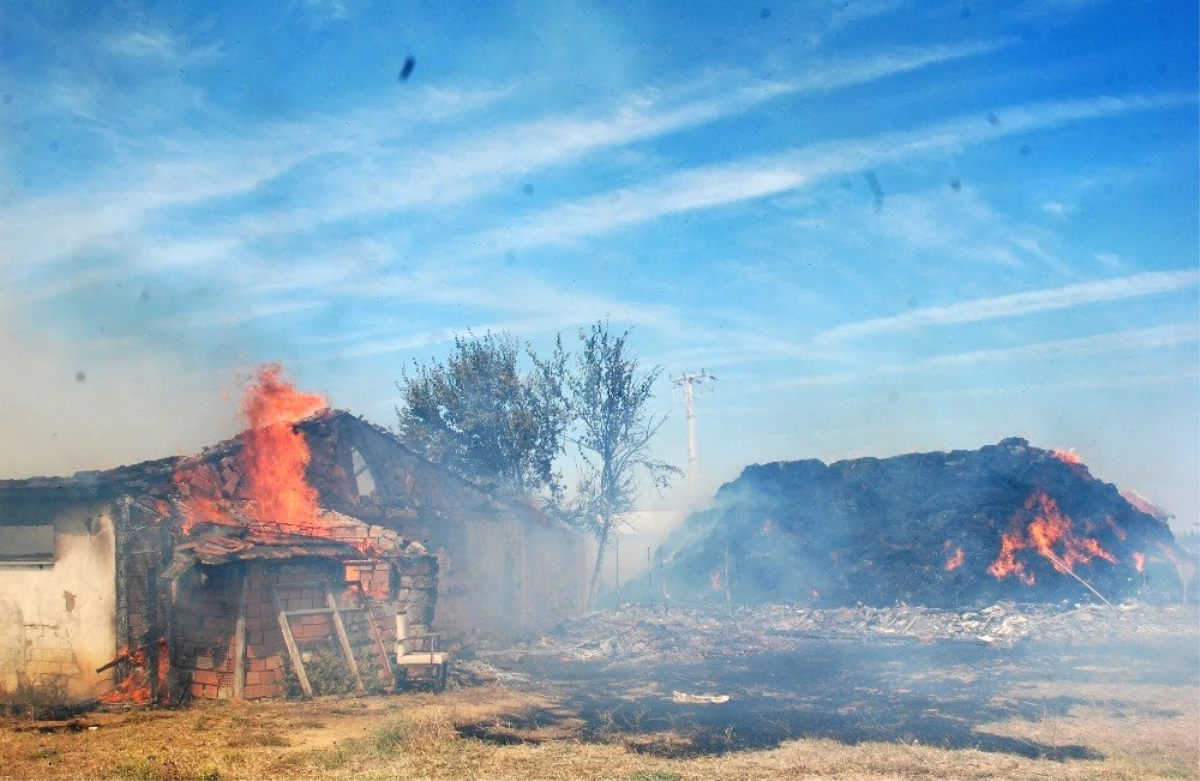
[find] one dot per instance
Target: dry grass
(418, 736)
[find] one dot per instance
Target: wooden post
(343, 638)
(152, 647)
(649, 576)
(239, 639)
(728, 599)
(617, 571)
(523, 575)
(290, 641)
(662, 573)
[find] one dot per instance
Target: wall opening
(27, 546)
(363, 479)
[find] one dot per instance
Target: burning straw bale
(1008, 521)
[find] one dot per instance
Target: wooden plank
(343, 638)
(290, 641)
(239, 640)
(318, 611)
(301, 585)
(373, 630)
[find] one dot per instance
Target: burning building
(217, 575)
(1008, 521)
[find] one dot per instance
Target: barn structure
(159, 581)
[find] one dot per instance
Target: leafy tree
(609, 398)
(481, 416)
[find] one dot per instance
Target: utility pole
(686, 381)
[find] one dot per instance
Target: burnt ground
(1059, 693)
(1032, 700)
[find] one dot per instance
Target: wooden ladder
(331, 609)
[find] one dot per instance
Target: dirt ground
(822, 708)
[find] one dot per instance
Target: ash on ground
(637, 635)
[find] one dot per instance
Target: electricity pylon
(686, 381)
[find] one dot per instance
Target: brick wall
(207, 606)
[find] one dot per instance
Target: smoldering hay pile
(1005, 522)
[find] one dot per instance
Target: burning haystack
(1008, 521)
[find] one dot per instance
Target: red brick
(205, 677)
(261, 690)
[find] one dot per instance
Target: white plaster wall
(59, 624)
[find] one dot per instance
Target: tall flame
(272, 462)
(1139, 561)
(1050, 535)
(275, 455)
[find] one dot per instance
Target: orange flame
(956, 560)
(715, 579)
(1006, 563)
(272, 463)
(1139, 561)
(1067, 456)
(1049, 534)
(135, 688)
(276, 456)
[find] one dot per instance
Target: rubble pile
(1005, 522)
(637, 635)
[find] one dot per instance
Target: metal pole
(689, 402)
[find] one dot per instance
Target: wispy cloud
(159, 45)
(719, 185)
(355, 166)
(319, 13)
(186, 171)
(388, 180)
(1121, 341)
(514, 302)
(1100, 344)
(1017, 304)
(848, 14)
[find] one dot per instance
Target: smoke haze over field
(886, 228)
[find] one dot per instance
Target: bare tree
(609, 398)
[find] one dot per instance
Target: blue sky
(885, 226)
